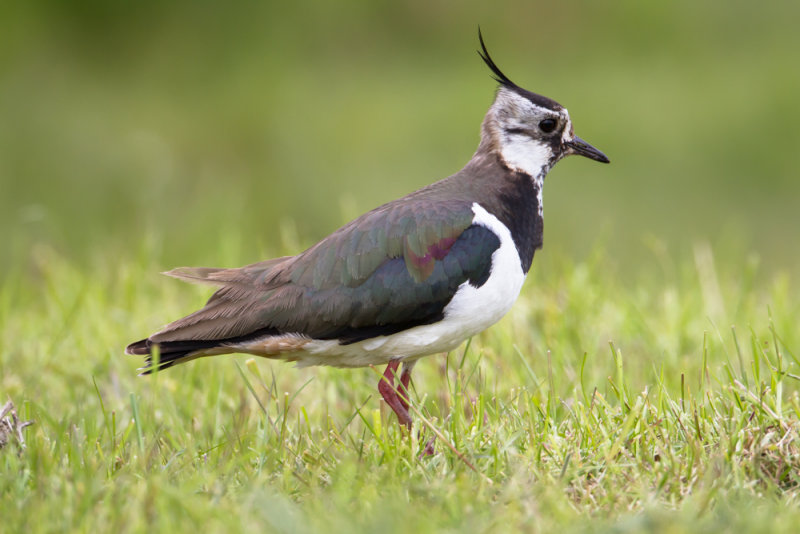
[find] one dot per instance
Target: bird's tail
(172, 346)
(170, 353)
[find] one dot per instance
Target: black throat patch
(517, 207)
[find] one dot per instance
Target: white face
(530, 137)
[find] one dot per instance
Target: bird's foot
(428, 450)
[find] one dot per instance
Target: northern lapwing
(414, 277)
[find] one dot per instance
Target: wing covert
(393, 268)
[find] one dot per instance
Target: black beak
(578, 146)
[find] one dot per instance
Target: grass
(640, 388)
(598, 404)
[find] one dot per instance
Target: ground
(598, 404)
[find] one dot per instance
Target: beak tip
(582, 148)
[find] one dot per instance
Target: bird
(414, 277)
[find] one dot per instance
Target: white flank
(471, 311)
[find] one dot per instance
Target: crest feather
(499, 77)
(504, 81)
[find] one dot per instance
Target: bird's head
(529, 131)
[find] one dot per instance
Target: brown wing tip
(196, 275)
(140, 348)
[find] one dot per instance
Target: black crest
(499, 77)
(504, 80)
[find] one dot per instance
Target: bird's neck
(514, 197)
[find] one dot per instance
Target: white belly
(471, 311)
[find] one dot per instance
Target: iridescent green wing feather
(391, 269)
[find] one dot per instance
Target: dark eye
(547, 125)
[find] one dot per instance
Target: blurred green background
(192, 126)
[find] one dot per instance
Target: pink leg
(387, 391)
(405, 378)
(397, 400)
